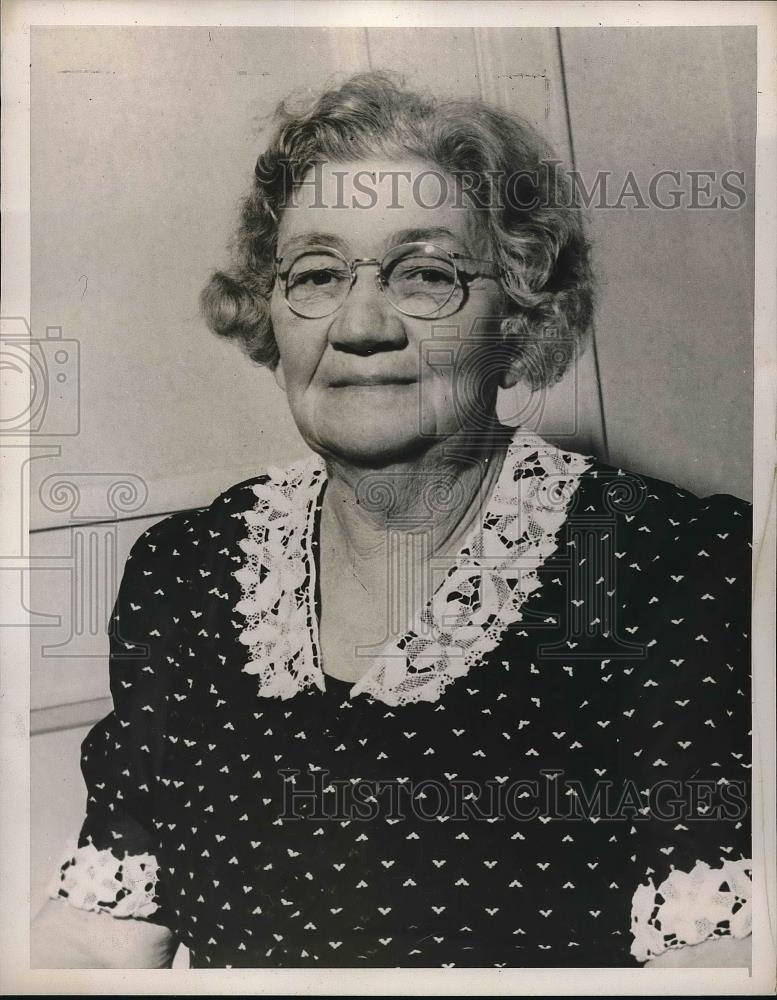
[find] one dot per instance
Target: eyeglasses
(418, 279)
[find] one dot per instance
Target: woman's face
(367, 384)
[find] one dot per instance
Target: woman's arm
(720, 953)
(63, 937)
(108, 905)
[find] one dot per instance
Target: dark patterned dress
(550, 769)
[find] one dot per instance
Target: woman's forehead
(367, 205)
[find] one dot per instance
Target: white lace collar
(495, 571)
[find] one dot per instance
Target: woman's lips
(363, 381)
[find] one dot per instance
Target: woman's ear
(511, 375)
(514, 370)
(279, 376)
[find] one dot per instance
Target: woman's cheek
(300, 352)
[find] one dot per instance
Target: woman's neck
(440, 493)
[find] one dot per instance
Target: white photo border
(15, 976)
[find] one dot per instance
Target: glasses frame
(380, 279)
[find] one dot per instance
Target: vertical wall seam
(476, 44)
(367, 46)
(573, 164)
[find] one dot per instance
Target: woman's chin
(371, 444)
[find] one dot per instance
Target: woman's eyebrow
(426, 235)
(430, 235)
(313, 239)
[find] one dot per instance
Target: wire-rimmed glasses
(418, 279)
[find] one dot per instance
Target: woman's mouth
(370, 381)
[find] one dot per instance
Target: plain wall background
(143, 142)
(675, 319)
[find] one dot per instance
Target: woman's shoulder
(651, 489)
(678, 569)
(178, 535)
(602, 487)
(186, 548)
(662, 512)
(668, 572)
(217, 518)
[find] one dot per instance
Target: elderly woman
(443, 694)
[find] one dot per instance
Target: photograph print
(392, 517)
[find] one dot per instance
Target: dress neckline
(337, 682)
(494, 572)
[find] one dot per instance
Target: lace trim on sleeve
(690, 907)
(91, 879)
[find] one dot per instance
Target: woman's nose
(366, 321)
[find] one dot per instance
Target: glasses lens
(420, 280)
(317, 282)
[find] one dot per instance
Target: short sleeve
(113, 866)
(689, 746)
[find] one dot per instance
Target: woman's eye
(428, 276)
(315, 277)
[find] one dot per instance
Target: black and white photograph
(389, 554)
